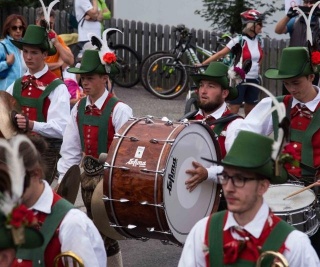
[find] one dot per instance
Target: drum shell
(137, 186)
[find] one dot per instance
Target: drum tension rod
(150, 204)
(156, 141)
(122, 200)
(132, 138)
(152, 171)
(106, 165)
(129, 226)
(151, 229)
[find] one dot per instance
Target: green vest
(274, 241)
(34, 102)
(102, 122)
(50, 225)
(303, 137)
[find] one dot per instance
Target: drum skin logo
(172, 174)
(135, 162)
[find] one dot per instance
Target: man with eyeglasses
(240, 234)
(63, 57)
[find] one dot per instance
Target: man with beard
(213, 91)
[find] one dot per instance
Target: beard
(210, 107)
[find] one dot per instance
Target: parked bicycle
(165, 74)
(128, 60)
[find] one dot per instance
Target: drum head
(184, 209)
(276, 194)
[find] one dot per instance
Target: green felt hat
(91, 63)
(33, 238)
(253, 151)
(218, 72)
(36, 36)
(294, 62)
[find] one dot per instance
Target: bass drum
(144, 182)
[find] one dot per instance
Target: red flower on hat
(315, 57)
(109, 58)
(289, 156)
(22, 216)
(51, 35)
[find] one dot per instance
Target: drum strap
(34, 102)
(102, 122)
(215, 240)
(49, 227)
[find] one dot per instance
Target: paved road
(153, 252)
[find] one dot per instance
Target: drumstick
(301, 190)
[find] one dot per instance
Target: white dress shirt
(58, 111)
(77, 232)
(259, 120)
(71, 151)
(229, 133)
(298, 252)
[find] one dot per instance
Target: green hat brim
(97, 70)
(262, 169)
(222, 80)
(52, 51)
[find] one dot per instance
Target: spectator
(294, 24)
(87, 14)
(63, 56)
(104, 13)
(14, 28)
(249, 45)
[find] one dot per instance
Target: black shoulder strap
(5, 48)
(189, 115)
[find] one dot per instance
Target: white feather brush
(16, 169)
(308, 20)
(102, 44)
(46, 12)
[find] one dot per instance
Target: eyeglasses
(237, 180)
(15, 28)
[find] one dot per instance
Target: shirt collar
(44, 202)
(254, 227)
(217, 113)
(39, 73)
(311, 105)
(100, 101)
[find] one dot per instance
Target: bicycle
(166, 75)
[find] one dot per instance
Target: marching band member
(94, 121)
(247, 228)
(296, 70)
(44, 98)
(16, 221)
(214, 90)
(64, 227)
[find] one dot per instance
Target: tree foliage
(225, 15)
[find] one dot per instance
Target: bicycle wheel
(128, 63)
(145, 66)
(166, 77)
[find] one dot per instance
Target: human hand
(198, 64)
(292, 13)
(198, 175)
(10, 59)
(23, 122)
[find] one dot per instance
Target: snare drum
(298, 210)
(145, 182)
